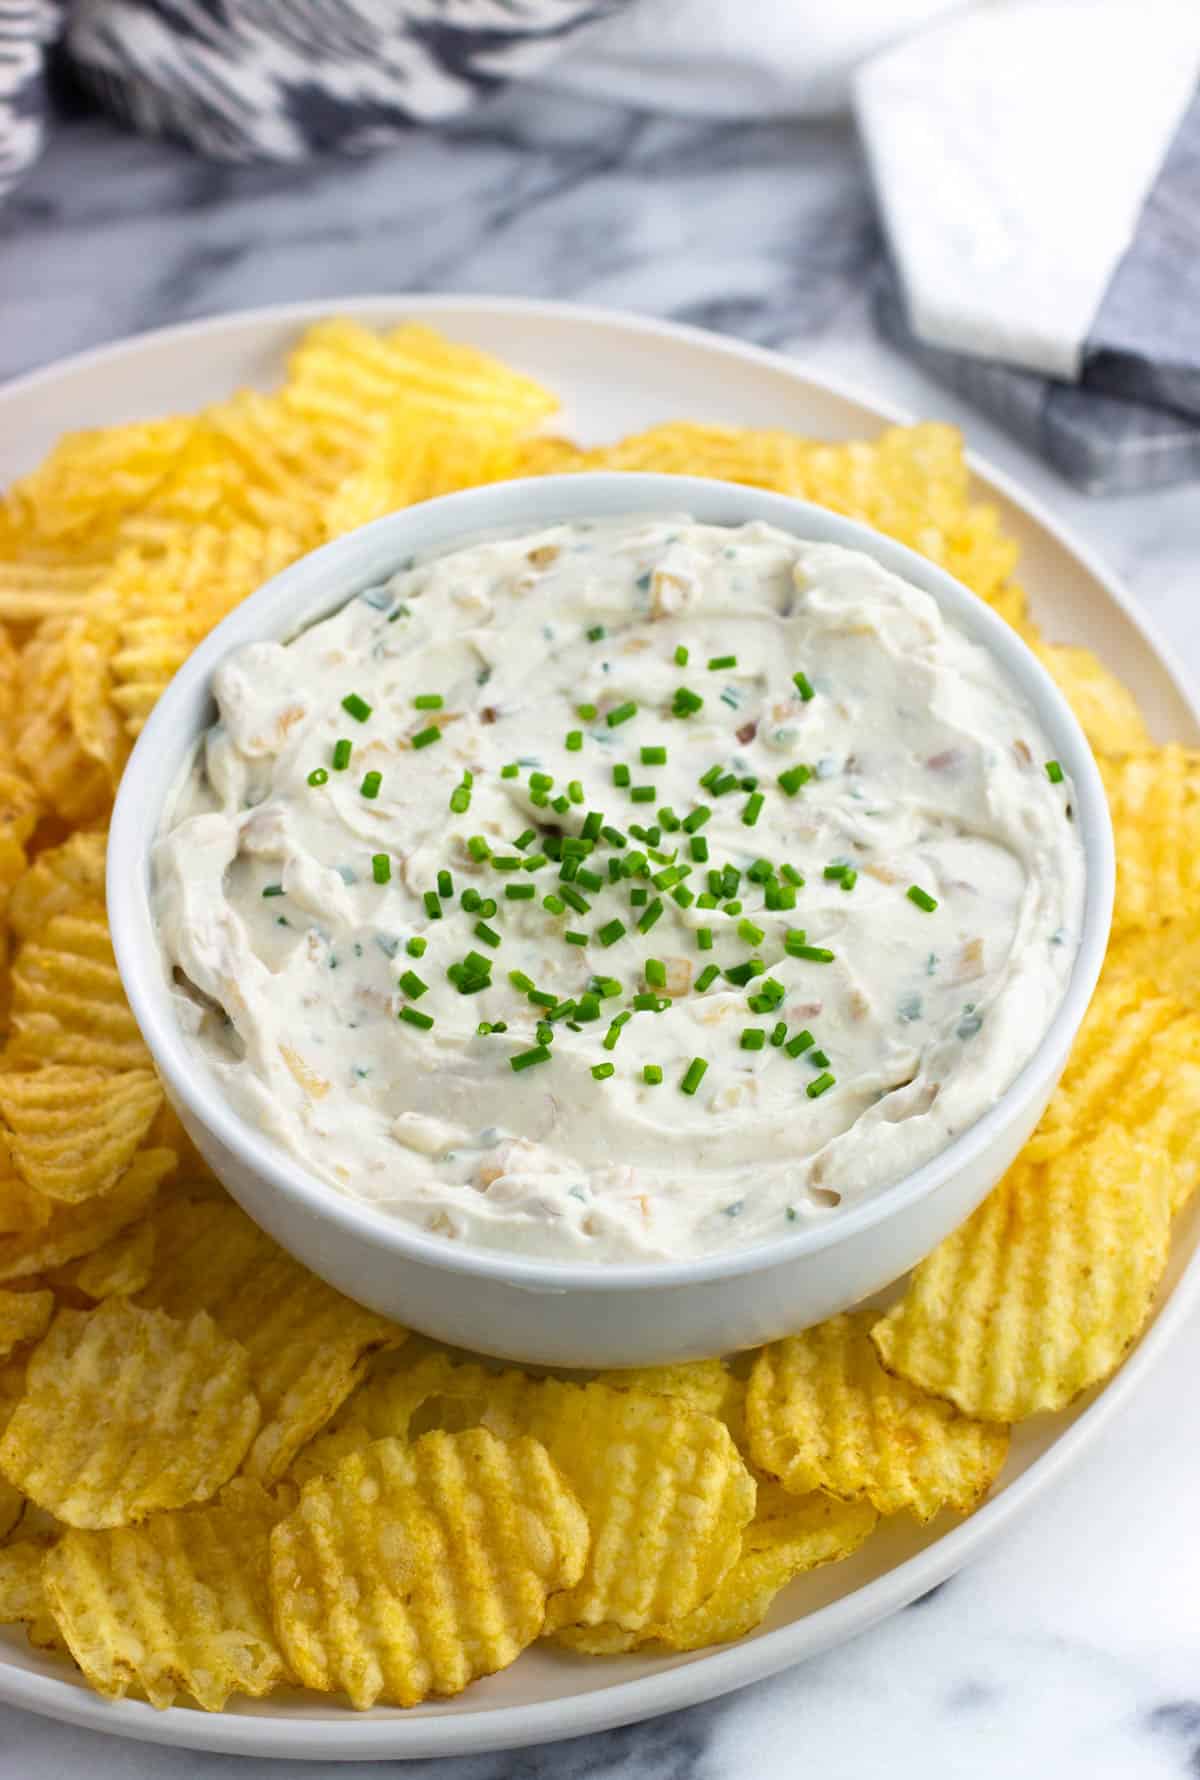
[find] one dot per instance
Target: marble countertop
(1073, 1647)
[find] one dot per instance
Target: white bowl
(540, 1311)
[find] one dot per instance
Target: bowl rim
(322, 581)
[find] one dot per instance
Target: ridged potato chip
(66, 779)
(24, 1316)
(68, 1231)
(822, 1414)
(1042, 1291)
(74, 1132)
(18, 817)
(1106, 709)
(177, 1605)
(117, 1270)
(1168, 955)
(411, 1570)
(703, 1384)
(308, 1345)
(68, 1003)
(12, 1504)
(62, 880)
(1154, 798)
(22, 1599)
(127, 1411)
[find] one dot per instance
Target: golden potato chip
(117, 1270)
(62, 880)
(411, 1570)
(68, 1231)
(24, 1316)
(1106, 709)
(177, 1605)
(127, 1411)
(74, 1132)
(703, 1384)
(21, 1595)
(325, 1452)
(308, 1345)
(18, 818)
(65, 778)
(1042, 1291)
(68, 1003)
(1155, 802)
(1131, 1048)
(90, 478)
(822, 1414)
(1169, 955)
(788, 1536)
(12, 1503)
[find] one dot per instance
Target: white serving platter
(615, 373)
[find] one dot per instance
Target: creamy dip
(634, 889)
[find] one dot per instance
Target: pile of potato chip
(219, 1476)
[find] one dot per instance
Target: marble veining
(1072, 1648)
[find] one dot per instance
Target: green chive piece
(416, 946)
(656, 973)
(643, 794)
(707, 977)
(520, 892)
(341, 755)
(273, 890)
(654, 756)
(819, 1059)
(573, 900)
(740, 974)
(779, 1032)
(849, 878)
(596, 633)
(681, 655)
(802, 1042)
(445, 884)
(821, 1086)
(318, 776)
(602, 1071)
(1054, 772)
(793, 778)
(554, 904)
(381, 868)
(593, 822)
(535, 862)
(541, 781)
(922, 898)
(478, 848)
(428, 701)
(574, 792)
(471, 900)
(698, 847)
(669, 819)
(704, 938)
(726, 782)
(542, 998)
(697, 818)
(426, 736)
(356, 707)
(693, 1075)
(753, 807)
(412, 985)
(621, 713)
(506, 862)
(433, 907)
(804, 686)
(749, 932)
(414, 1017)
(753, 1038)
(793, 876)
(614, 837)
(520, 981)
(586, 712)
(651, 915)
(574, 741)
(528, 1059)
(717, 662)
(639, 896)
(575, 939)
(591, 880)
(652, 1075)
(733, 908)
(814, 954)
(835, 871)
(371, 783)
(510, 771)
(611, 932)
(621, 776)
(686, 702)
(487, 934)
(460, 800)
(526, 839)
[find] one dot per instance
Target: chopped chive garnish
(527, 1059)
(621, 776)
(654, 756)
(669, 819)
(520, 981)
(835, 871)
(651, 1004)
(614, 837)
(753, 806)
(415, 1017)
(433, 907)
(526, 839)
(575, 939)
(460, 800)
(520, 892)
(574, 741)
(318, 776)
(699, 849)
(681, 655)
(535, 862)
(707, 976)
(596, 633)
(554, 904)
(445, 884)
(804, 686)
(849, 878)
(651, 915)
(717, 662)
(415, 947)
(683, 896)
(273, 890)
(819, 1059)
(541, 781)
(779, 1032)
(821, 1086)
(371, 783)
(753, 1038)
(643, 794)
(356, 707)
(726, 782)
(506, 862)
(602, 1071)
(697, 818)
(793, 778)
(381, 868)
(586, 712)
(542, 998)
(708, 779)
(749, 932)
(734, 907)
(574, 793)
(792, 875)
(704, 938)
(591, 880)
(487, 934)
(922, 898)
(341, 754)
(656, 973)
(544, 1032)
(652, 1075)
(802, 1042)
(814, 954)
(573, 900)
(621, 713)
(693, 1075)
(412, 985)
(741, 974)
(1054, 772)
(639, 896)
(428, 701)
(611, 932)
(686, 702)
(423, 739)
(510, 771)
(471, 900)
(478, 848)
